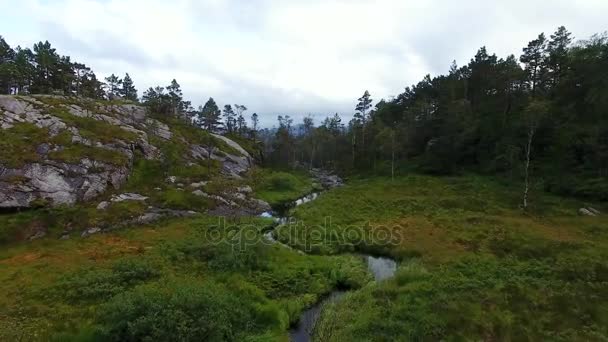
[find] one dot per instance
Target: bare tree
(533, 116)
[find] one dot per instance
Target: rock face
(73, 160)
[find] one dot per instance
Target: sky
(288, 57)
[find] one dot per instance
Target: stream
(380, 267)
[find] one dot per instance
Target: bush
(95, 284)
(186, 311)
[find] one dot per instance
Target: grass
(473, 265)
(169, 280)
(74, 153)
(280, 187)
(92, 129)
(18, 144)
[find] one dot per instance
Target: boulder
(586, 212)
(198, 185)
(103, 205)
(245, 189)
(128, 197)
(90, 231)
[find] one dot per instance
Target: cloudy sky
(291, 57)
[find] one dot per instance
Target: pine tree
(113, 83)
(534, 57)
(46, 60)
(7, 68)
(255, 121)
(241, 124)
(128, 90)
(229, 118)
(176, 98)
(209, 116)
(557, 49)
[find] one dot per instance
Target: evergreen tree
(176, 98)
(255, 121)
(46, 60)
(557, 50)
(229, 118)
(209, 116)
(535, 59)
(241, 124)
(128, 90)
(8, 70)
(113, 83)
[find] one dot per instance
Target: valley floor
(472, 266)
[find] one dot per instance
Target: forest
(539, 117)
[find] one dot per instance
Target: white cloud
(288, 57)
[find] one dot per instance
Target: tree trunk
(393, 156)
(354, 143)
(527, 168)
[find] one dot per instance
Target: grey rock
(593, 210)
(128, 197)
(62, 183)
(245, 189)
(586, 212)
(200, 193)
(103, 205)
(260, 206)
(198, 185)
(38, 235)
(43, 149)
(148, 218)
(90, 231)
(232, 144)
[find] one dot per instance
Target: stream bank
(381, 268)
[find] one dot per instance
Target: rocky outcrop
(237, 202)
(326, 179)
(589, 211)
(71, 163)
(232, 165)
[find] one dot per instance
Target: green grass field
(472, 266)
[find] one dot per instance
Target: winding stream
(380, 267)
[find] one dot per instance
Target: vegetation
(18, 144)
(539, 119)
(461, 179)
(163, 282)
(472, 265)
(280, 187)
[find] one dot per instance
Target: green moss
(183, 200)
(75, 153)
(18, 144)
(95, 130)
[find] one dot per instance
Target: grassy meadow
(472, 266)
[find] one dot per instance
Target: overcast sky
(288, 56)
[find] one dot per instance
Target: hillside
(114, 163)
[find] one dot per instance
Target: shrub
(188, 310)
(99, 283)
